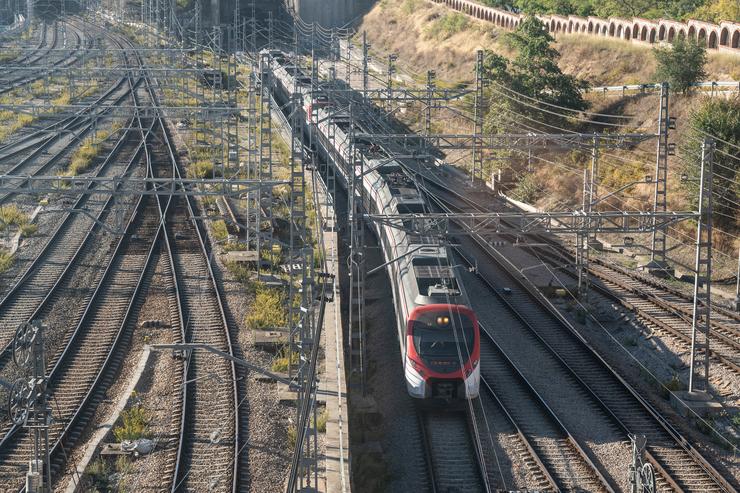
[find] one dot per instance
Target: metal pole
(658, 249)
(703, 268)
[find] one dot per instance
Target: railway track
(659, 306)
(31, 52)
(668, 315)
(80, 375)
(563, 459)
(680, 465)
(207, 458)
(452, 451)
(66, 60)
(52, 274)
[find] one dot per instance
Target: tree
(533, 76)
(681, 65)
(720, 119)
(718, 10)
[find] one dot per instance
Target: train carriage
(437, 331)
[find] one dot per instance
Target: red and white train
(438, 332)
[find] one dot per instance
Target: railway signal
(27, 402)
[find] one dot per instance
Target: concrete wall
(331, 13)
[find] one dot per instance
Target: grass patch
(321, 420)
(446, 26)
(12, 216)
(674, 384)
(201, 169)
(292, 437)
(83, 157)
(135, 424)
(220, 231)
(240, 272)
(281, 363)
(29, 230)
(268, 310)
(6, 260)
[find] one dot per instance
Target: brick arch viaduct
(724, 36)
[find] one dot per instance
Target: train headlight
(418, 367)
(443, 321)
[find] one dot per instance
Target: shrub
(527, 189)
(268, 309)
(201, 169)
(681, 65)
(134, 426)
(321, 421)
(292, 436)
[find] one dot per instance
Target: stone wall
(724, 36)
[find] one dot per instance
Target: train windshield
(443, 340)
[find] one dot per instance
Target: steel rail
(602, 370)
(632, 407)
(560, 480)
(76, 128)
(30, 52)
(452, 457)
(55, 241)
(70, 59)
(199, 236)
(66, 125)
(75, 344)
(677, 325)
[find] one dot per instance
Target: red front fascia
(411, 350)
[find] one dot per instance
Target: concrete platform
(333, 385)
(690, 403)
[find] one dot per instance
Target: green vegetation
(681, 65)
(11, 215)
(281, 364)
(13, 122)
(719, 118)
(6, 260)
(268, 309)
(29, 229)
(135, 423)
(83, 157)
(710, 10)
(447, 26)
(292, 436)
(321, 420)
(220, 231)
(527, 189)
(533, 73)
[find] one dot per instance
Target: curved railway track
(69, 57)
(207, 457)
(659, 306)
(51, 275)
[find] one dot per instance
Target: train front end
(443, 353)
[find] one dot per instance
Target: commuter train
(438, 332)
